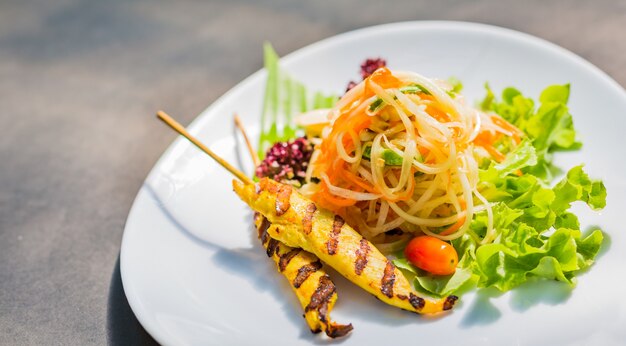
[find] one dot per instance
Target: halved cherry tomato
(432, 255)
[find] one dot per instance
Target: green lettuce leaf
(527, 211)
(521, 157)
(550, 127)
(441, 286)
(555, 257)
(404, 264)
(457, 86)
(537, 236)
(577, 186)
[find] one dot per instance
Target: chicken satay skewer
(312, 285)
(297, 222)
(315, 290)
(242, 130)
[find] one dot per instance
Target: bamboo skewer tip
(176, 126)
(253, 154)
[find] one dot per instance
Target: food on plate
(400, 156)
(411, 192)
(313, 287)
(298, 223)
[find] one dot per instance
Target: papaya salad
(415, 193)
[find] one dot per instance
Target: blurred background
(80, 81)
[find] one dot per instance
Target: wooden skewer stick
(253, 154)
(176, 126)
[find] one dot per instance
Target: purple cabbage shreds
(287, 162)
(370, 65)
(367, 68)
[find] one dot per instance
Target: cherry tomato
(432, 255)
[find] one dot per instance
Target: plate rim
(203, 117)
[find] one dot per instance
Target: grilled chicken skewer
(313, 287)
(297, 222)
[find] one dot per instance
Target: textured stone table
(79, 84)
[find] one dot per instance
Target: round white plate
(194, 273)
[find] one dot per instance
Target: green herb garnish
(391, 157)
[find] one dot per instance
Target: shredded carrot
(507, 126)
(355, 179)
(455, 227)
(384, 78)
(486, 139)
(325, 197)
(436, 112)
(497, 155)
(334, 167)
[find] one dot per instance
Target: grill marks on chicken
(313, 287)
(307, 220)
(262, 228)
(361, 256)
(271, 247)
(282, 199)
(389, 277)
(282, 193)
(311, 229)
(416, 302)
(320, 301)
(305, 271)
(449, 304)
(322, 294)
(285, 258)
(333, 241)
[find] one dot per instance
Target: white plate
(194, 274)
